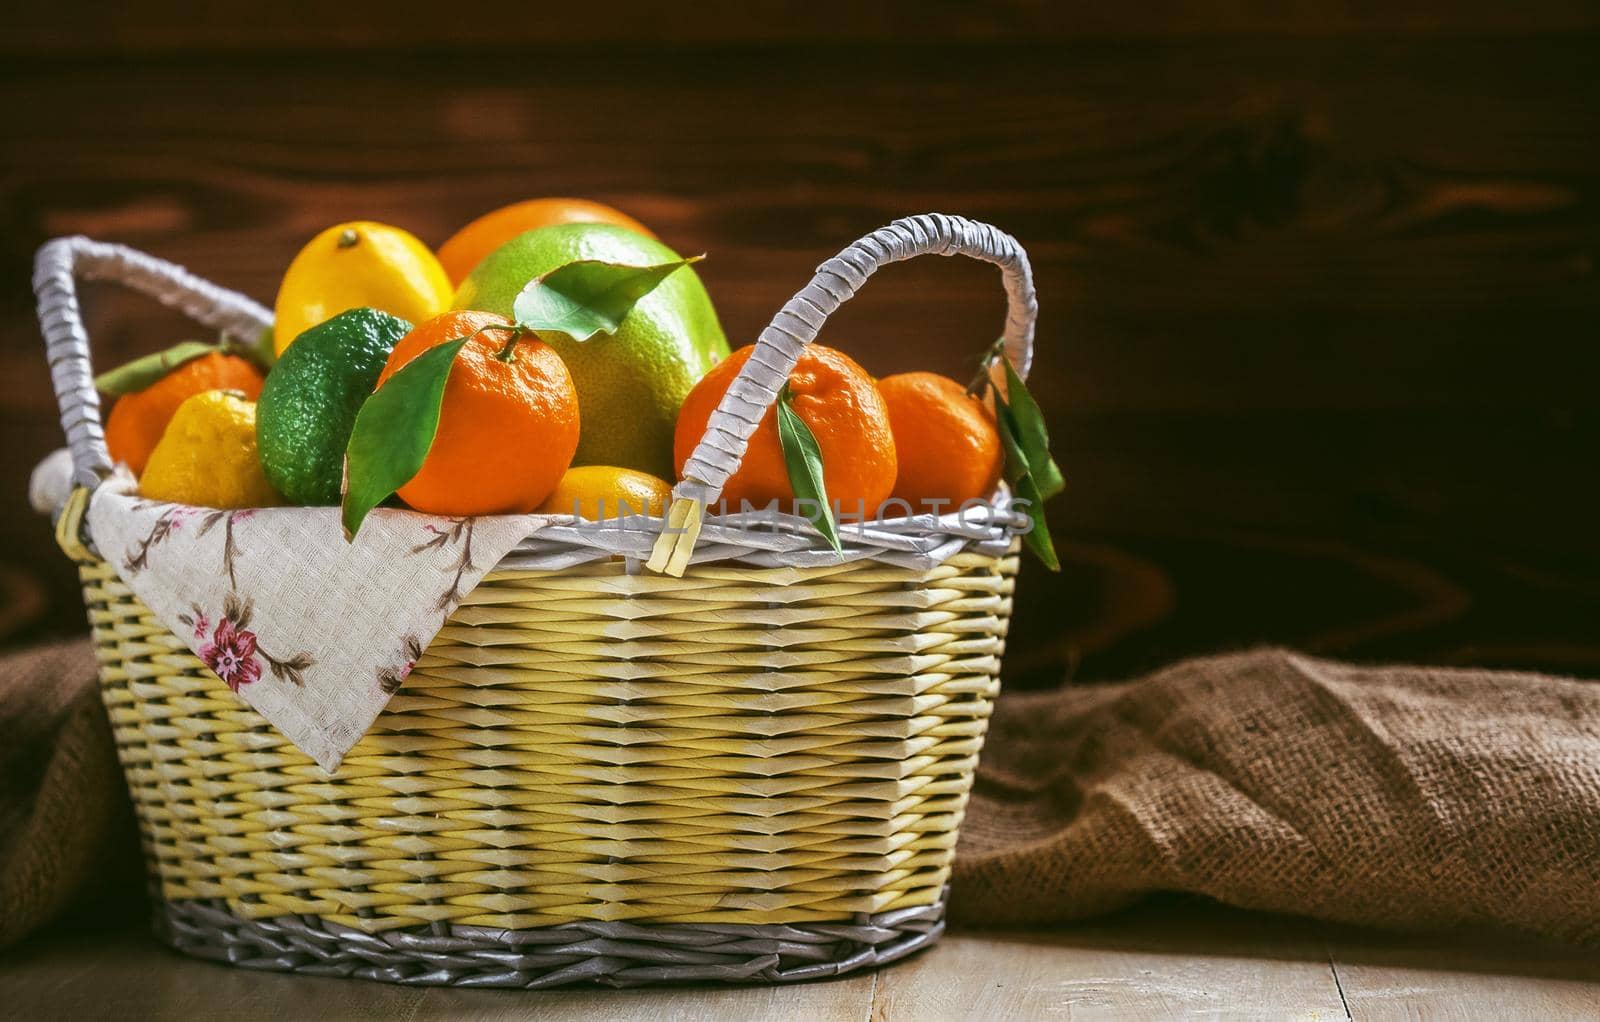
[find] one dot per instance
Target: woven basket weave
(749, 768)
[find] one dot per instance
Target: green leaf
(583, 298)
(393, 432)
(1024, 486)
(1030, 434)
(143, 372)
(260, 351)
(803, 458)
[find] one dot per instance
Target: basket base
(605, 953)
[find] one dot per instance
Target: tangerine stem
(509, 352)
(985, 362)
(506, 353)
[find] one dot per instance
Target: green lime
(631, 383)
(309, 403)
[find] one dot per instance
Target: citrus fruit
(467, 247)
(841, 405)
(507, 426)
(309, 403)
(360, 264)
(137, 420)
(630, 383)
(207, 456)
(597, 492)
(946, 441)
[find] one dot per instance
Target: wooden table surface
(1168, 959)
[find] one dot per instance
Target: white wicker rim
(673, 543)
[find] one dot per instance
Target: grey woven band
(55, 271)
(606, 953)
(756, 387)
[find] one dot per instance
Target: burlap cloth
(1402, 797)
(67, 836)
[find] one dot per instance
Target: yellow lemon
(596, 492)
(207, 456)
(355, 265)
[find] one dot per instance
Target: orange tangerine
(138, 420)
(467, 247)
(837, 399)
(946, 439)
(508, 427)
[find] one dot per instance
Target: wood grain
(1172, 958)
(1250, 969)
(166, 26)
(847, 999)
(1319, 308)
(1386, 977)
(124, 973)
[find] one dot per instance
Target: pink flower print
(231, 653)
(202, 625)
(390, 679)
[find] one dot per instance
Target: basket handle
(57, 268)
(756, 387)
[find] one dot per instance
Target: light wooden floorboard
(1145, 964)
(1171, 959)
(127, 975)
(842, 1000)
(1389, 977)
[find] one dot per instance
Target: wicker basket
(752, 772)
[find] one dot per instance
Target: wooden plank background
(1319, 292)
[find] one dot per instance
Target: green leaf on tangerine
(143, 372)
(260, 351)
(803, 459)
(589, 296)
(1031, 435)
(393, 432)
(1025, 487)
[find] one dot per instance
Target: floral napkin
(315, 633)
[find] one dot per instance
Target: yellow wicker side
(741, 745)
